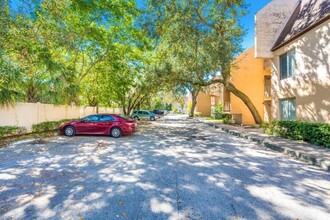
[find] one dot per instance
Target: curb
(308, 158)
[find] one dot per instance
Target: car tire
(116, 132)
(152, 118)
(136, 118)
(69, 131)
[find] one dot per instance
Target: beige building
(295, 37)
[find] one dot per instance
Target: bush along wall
(10, 130)
(314, 133)
(47, 126)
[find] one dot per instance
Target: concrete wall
(311, 83)
(248, 77)
(27, 114)
(269, 22)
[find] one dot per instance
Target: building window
(288, 109)
(287, 64)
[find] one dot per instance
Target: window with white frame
(288, 109)
(287, 64)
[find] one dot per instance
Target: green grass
(213, 119)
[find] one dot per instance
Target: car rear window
(123, 117)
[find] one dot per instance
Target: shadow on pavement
(170, 169)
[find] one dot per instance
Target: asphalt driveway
(171, 169)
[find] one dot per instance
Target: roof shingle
(307, 14)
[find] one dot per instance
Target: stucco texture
(248, 76)
(311, 83)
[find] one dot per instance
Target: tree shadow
(158, 173)
(311, 82)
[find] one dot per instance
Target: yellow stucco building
(207, 101)
(251, 76)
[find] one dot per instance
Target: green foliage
(168, 107)
(219, 108)
(196, 40)
(227, 119)
(314, 133)
(47, 126)
(65, 52)
(198, 114)
(8, 130)
(213, 119)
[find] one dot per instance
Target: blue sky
(248, 21)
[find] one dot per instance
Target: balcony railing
(267, 93)
(226, 106)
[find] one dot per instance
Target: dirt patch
(7, 140)
(39, 141)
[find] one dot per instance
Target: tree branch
(92, 65)
(202, 19)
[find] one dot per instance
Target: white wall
(269, 22)
(27, 114)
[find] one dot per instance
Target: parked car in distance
(143, 114)
(158, 112)
(99, 124)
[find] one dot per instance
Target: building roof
(307, 15)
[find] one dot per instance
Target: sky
(248, 21)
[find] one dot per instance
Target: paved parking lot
(171, 169)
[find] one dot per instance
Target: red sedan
(99, 124)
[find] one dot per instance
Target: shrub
(197, 114)
(219, 108)
(227, 119)
(9, 130)
(314, 133)
(47, 126)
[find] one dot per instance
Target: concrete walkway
(311, 154)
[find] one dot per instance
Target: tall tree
(215, 22)
(9, 74)
(58, 48)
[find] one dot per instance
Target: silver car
(143, 114)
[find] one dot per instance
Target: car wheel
(115, 132)
(136, 118)
(69, 131)
(152, 118)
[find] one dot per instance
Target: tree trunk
(128, 113)
(193, 103)
(247, 101)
